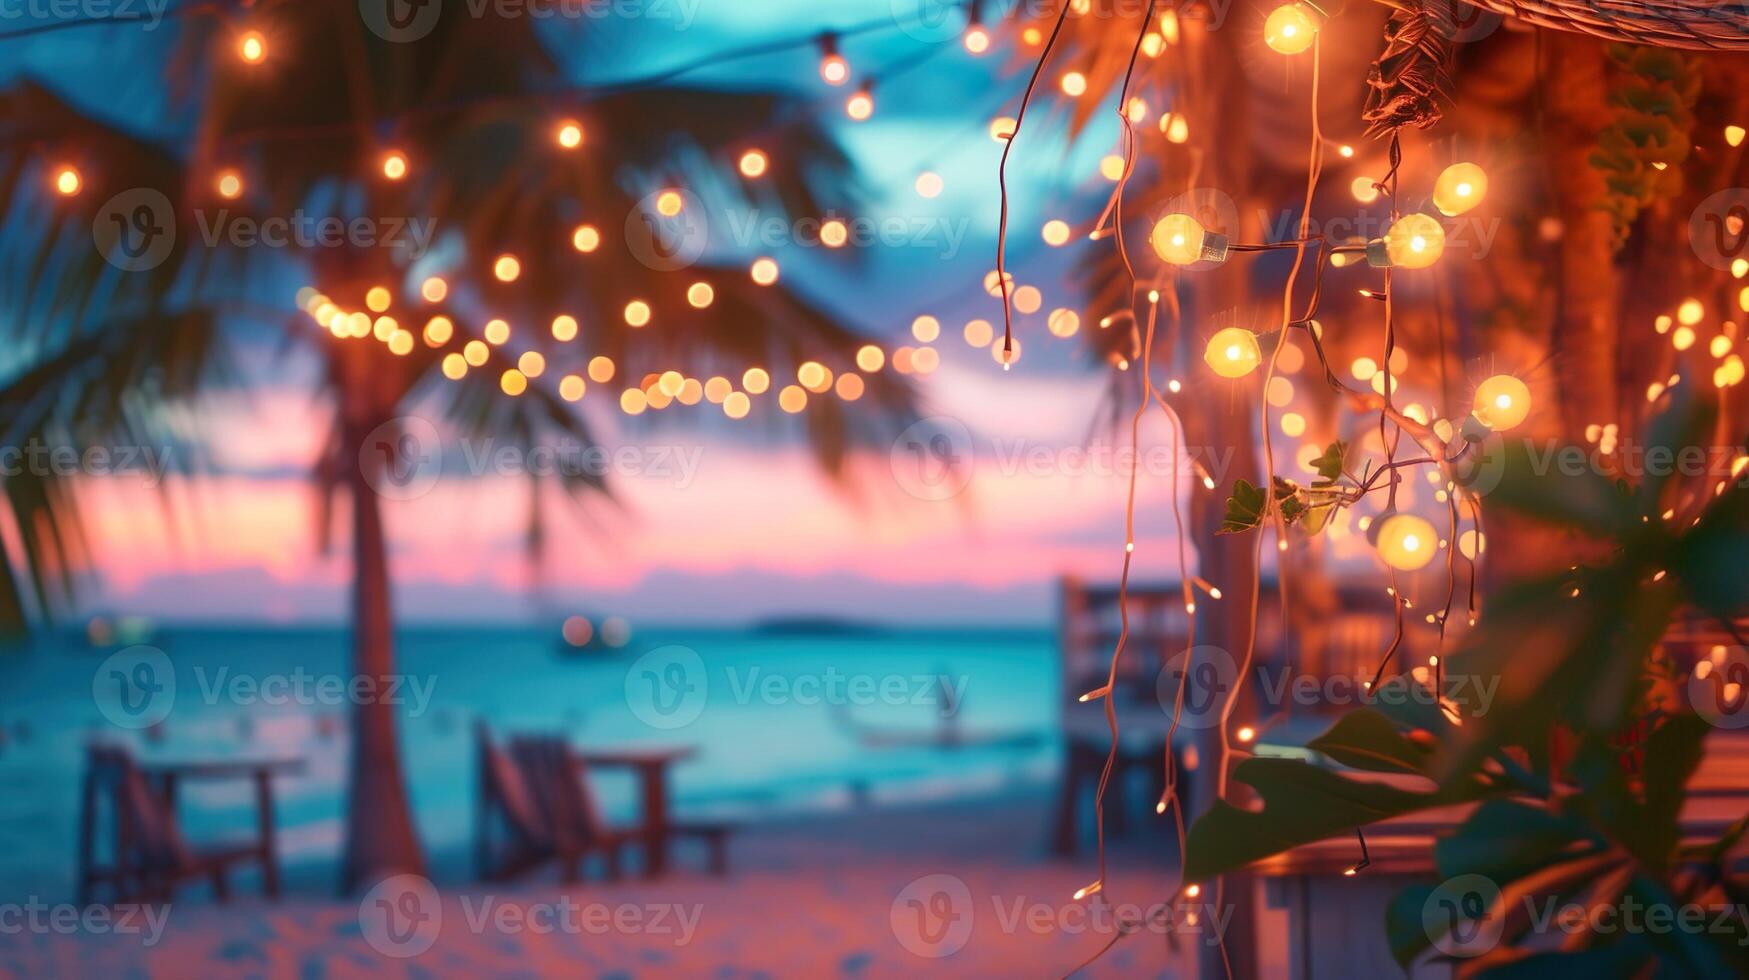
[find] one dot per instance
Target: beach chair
(535, 806)
(149, 857)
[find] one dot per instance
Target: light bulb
(394, 165)
(753, 164)
(67, 182)
(860, 106)
(977, 40)
(1502, 402)
(1404, 541)
(1181, 240)
(569, 134)
(1414, 242)
(252, 48)
(834, 69)
(1233, 352)
(1459, 188)
(1290, 29)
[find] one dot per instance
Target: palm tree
(471, 107)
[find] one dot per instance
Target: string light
(976, 39)
(1290, 29)
(497, 332)
(1180, 239)
(476, 353)
(736, 405)
(507, 268)
(433, 289)
(833, 68)
(455, 367)
(585, 239)
(792, 399)
(870, 358)
(394, 165)
(229, 185)
(67, 182)
(1734, 135)
(601, 369)
(637, 313)
(1233, 352)
(861, 105)
(572, 388)
(1073, 83)
(1459, 188)
(756, 381)
(1056, 233)
(1404, 541)
(764, 271)
(700, 295)
(1415, 242)
(929, 184)
(438, 331)
(1502, 402)
(670, 203)
(252, 48)
(569, 134)
(753, 164)
(377, 299)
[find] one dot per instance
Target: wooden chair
(535, 806)
(150, 858)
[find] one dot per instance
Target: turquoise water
(779, 728)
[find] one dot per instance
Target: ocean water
(781, 725)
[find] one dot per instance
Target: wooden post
(264, 819)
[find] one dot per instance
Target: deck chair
(535, 806)
(151, 859)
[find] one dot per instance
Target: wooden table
(651, 766)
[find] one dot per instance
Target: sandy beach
(947, 889)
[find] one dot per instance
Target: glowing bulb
(377, 299)
(764, 271)
(67, 182)
(669, 203)
(633, 402)
(792, 399)
(1734, 135)
(753, 164)
(978, 333)
(229, 185)
(1074, 84)
(1502, 402)
(475, 352)
(1405, 542)
(1063, 322)
(1056, 233)
(497, 332)
(455, 367)
(834, 233)
(700, 295)
(569, 134)
(977, 40)
(1178, 239)
(252, 47)
(601, 369)
(1459, 188)
(532, 363)
(1691, 312)
(1290, 29)
(394, 165)
(756, 381)
(926, 329)
(1415, 241)
(870, 358)
(513, 382)
(585, 239)
(400, 343)
(507, 268)
(438, 331)
(860, 106)
(572, 388)
(1002, 128)
(637, 313)
(1246, 733)
(834, 69)
(564, 328)
(736, 404)
(434, 289)
(1233, 352)
(928, 184)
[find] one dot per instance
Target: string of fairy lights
(1402, 541)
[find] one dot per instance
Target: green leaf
(1329, 465)
(1244, 508)
(1302, 803)
(1366, 739)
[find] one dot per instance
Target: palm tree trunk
(380, 837)
(1585, 325)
